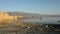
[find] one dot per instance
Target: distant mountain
(31, 14)
(22, 13)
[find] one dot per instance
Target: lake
(44, 20)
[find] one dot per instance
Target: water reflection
(45, 20)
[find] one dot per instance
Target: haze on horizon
(48, 7)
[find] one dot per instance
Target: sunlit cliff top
(5, 16)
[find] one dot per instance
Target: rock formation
(5, 17)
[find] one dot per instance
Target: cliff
(5, 17)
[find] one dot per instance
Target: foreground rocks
(29, 28)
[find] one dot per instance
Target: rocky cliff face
(5, 17)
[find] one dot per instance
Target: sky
(48, 7)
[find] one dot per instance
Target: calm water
(45, 20)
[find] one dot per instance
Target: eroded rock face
(5, 17)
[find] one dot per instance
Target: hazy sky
(51, 7)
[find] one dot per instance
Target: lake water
(45, 20)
